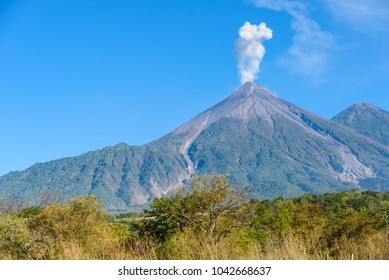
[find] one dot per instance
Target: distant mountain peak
(367, 119)
(364, 105)
(358, 110)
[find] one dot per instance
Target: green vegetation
(77, 230)
(211, 208)
(121, 176)
(211, 219)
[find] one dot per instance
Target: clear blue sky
(80, 75)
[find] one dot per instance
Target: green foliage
(210, 206)
(329, 226)
(327, 223)
(78, 229)
(13, 238)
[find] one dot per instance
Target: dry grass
(185, 246)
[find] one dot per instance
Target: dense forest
(209, 219)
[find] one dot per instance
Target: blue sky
(80, 75)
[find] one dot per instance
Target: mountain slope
(366, 119)
(121, 176)
(261, 140)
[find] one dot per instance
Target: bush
(211, 206)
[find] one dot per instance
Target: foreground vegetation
(210, 220)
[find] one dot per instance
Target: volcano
(257, 138)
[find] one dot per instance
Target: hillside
(121, 176)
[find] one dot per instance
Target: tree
(81, 223)
(11, 205)
(209, 206)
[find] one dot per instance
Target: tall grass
(185, 246)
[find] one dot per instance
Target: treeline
(208, 220)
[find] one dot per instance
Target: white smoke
(249, 49)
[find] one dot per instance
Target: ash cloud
(249, 49)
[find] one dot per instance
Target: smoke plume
(249, 49)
